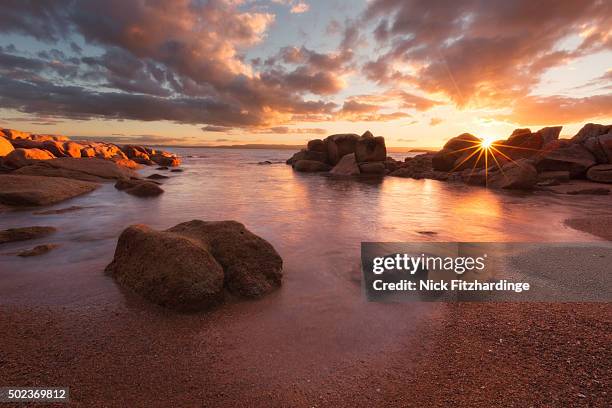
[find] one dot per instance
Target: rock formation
(188, 266)
(369, 155)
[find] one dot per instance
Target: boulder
(347, 166)
(22, 157)
(370, 149)
(574, 158)
(167, 160)
(24, 233)
(519, 175)
(187, 266)
(37, 250)
(445, 159)
(310, 166)
(21, 190)
(391, 164)
(88, 152)
(591, 130)
(5, 147)
(72, 149)
(339, 145)
(420, 167)
(601, 173)
(600, 147)
(317, 145)
(139, 188)
(251, 265)
(376, 167)
(549, 134)
(177, 171)
(168, 269)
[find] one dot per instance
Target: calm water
(315, 222)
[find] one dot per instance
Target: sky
(218, 72)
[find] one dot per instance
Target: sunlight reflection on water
(310, 218)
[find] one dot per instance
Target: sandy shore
(600, 226)
(466, 355)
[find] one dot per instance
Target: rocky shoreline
(41, 169)
(526, 160)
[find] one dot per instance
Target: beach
(316, 341)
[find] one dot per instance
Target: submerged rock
(187, 266)
(139, 188)
(37, 250)
(25, 233)
(156, 176)
(20, 190)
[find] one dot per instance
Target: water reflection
(312, 219)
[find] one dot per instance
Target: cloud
(295, 6)
(287, 130)
(435, 121)
(212, 128)
(181, 61)
(559, 110)
(481, 53)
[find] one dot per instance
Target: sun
(486, 142)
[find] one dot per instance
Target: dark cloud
(212, 128)
(179, 61)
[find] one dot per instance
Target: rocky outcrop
(373, 168)
(601, 173)
(21, 190)
(188, 266)
(25, 233)
(347, 166)
(420, 167)
(366, 149)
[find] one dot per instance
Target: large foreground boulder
(167, 269)
(19, 190)
(339, 145)
(187, 266)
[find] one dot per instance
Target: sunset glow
(283, 72)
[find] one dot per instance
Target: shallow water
(316, 222)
